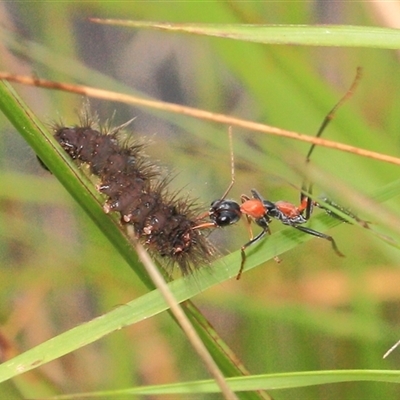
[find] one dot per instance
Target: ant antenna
(232, 165)
(332, 113)
(220, 201)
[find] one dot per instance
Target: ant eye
(227, 218)
(223, 220)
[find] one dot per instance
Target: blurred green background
(313, 311)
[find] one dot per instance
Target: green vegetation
(299, 323)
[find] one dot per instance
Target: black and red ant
(224, 212)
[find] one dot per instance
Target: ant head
(224, 212)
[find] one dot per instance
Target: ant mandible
(224, 212)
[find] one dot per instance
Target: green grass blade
(63, 168)
(256, 382)
(306, 35)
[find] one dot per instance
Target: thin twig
(196, 113)
(184, 322)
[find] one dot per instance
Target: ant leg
(332, 113)
(320, 235)
(310, 203)
(306, 202)
(249, 243)
(346, 211)
(309, 206)
(247, 222)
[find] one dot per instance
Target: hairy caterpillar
(135, 187)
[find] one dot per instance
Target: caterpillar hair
(134, 186)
